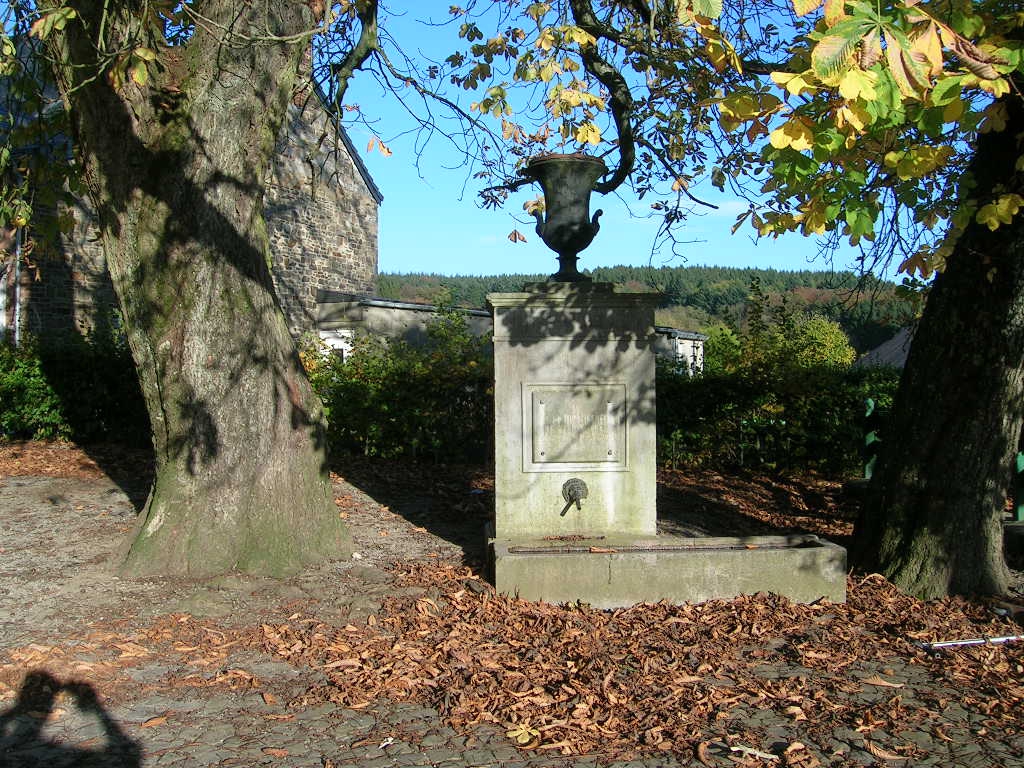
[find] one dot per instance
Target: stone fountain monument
(575, 476)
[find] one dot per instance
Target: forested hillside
(697, 298)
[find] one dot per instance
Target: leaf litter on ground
(638, 681)
(660, 677)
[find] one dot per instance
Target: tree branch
(618, 88)
(366, 12)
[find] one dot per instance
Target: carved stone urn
(566, 226)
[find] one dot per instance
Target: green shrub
(779, 394)
(393, 399)
(69, 386)
(722, 350)
(812, 418)
(29, 406)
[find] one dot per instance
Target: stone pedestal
(575, 467)
(574, 404)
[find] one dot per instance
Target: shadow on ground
(23, 743)
(451, 502)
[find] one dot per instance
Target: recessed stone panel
(574, 426)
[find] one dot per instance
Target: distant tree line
(869, 310)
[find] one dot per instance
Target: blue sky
(430, 220)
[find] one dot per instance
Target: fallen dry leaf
(703, 755)
(881, 681)
(882, 753)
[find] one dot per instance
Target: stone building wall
(321, 207)
(321, 210)
(65, 285)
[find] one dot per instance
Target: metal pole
(1018, 488)
(17, 288)
(972, 641)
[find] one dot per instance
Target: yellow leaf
(587, 133)
(522, 734)
(740, 106)
(930, 47)
(996, 88)
(794, 84)
(835, 11)
(779, 138)
(858, 84)
(803, 7)
(853, 115)
(907, 73)
(579, 36)
(794, 133)
(717, 55)
(918, 162)
(139, 72)
(1001, 211)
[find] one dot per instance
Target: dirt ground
(418, 531)
(60, 500)
(79, 505)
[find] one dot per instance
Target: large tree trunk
(934, 522)
(175, 169)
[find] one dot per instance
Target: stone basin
(615, 572)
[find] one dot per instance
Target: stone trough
(614, 572)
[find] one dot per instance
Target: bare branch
(621, 102)
(368, 42)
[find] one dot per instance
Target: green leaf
(833, 55)
(712, 9)
(947, 90)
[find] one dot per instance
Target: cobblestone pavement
(75, 692)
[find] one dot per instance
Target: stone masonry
(321, 207)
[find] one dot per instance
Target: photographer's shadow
(24, 745)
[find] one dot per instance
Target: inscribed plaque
(574, 426)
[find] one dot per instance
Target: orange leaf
(275, 752)
(153, 722)
(269, 699)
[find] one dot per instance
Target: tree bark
(175, 170)
(933, 524)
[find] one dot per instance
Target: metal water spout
(566, 226)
